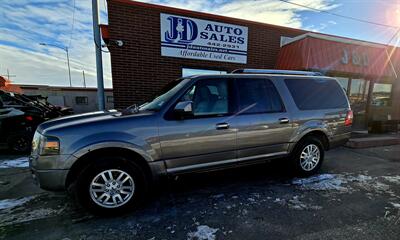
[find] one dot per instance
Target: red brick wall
(139, 70)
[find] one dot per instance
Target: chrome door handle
(283, 120)
(222, 126)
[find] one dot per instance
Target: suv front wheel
(110, 186)
(307, 157)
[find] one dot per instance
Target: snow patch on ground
(203, 232)
(396, 205)
(297, 204)
(392, 179)
(22, 162)
(21, 210)
(27, 216)
(11, 203)
(322, 182)
(346, 183)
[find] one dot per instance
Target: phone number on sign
(224, 45)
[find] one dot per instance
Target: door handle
(283, 120)
(222, 126)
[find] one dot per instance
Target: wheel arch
(86, 160)
(320, 134)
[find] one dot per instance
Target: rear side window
(314, 94)
(258, 96)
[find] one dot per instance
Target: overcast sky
(26, 23)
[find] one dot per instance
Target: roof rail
(275, 71)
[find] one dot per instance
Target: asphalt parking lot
(356, 196)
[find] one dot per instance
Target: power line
(393, 37)
(72, 25)
(339, 15)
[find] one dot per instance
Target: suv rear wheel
(110, 186)
(308, 156)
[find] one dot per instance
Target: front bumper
(53, 180)
(50, 172)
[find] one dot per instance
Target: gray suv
(109, 159)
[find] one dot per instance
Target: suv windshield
(164, 95)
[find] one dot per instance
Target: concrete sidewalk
(365, 140)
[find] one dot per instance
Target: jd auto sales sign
(193, 38)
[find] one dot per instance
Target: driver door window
(210, 97)
(188, 143)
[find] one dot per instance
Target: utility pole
(84, 79)
(99, 60)
(67, 52)
(8, 75)
(69, 69)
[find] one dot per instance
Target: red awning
(337, 55)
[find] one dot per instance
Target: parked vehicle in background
(201, 123)
(19, 117)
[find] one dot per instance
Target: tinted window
(258, 96)
(210, 97)
(312, 94)
(81, 100)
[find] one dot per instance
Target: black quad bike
(19, 117)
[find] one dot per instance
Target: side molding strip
(212, 164)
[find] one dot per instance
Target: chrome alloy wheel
(309, 157)
(112, 188)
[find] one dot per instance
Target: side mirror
(184, 108)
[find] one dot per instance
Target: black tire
(295, 159)
(19, 143)
(82, 186)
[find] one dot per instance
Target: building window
(191, 71)
(359, 93)
(110, 99)
(344, 83)
(382, 95)
(81, 100)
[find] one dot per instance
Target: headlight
(50, 146)
(35, 143)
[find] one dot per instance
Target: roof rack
(275, 71)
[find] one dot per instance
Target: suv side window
(258, 96)
(315, 94)
(209, 96)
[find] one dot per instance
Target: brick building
(149, 56)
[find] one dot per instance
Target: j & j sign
(185, 37)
